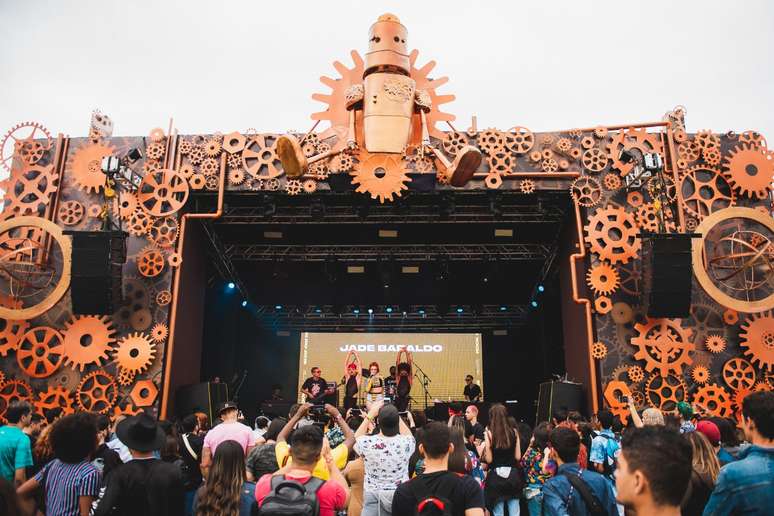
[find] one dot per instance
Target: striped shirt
(65, 483)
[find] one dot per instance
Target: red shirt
(331, 496)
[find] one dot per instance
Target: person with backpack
(293, 490)
(438, 491)
(190, 445)
(574, 490)
(605, 447)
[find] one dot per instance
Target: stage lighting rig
(649, 168)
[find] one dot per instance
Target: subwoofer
(200, 397)
(667, 274)
(555, 396)
(97, 262)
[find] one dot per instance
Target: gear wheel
(209, 167)
(603, 279)
(213, 147)
(749, 170)
(527, 186)
(453, 142)
(636, 374)
(613, 235)
(97, 392)
(185, 147)
(493, 180)
(259, 157)
(236, 176)
(381, 175)
(632, 138)
(135, 353)
(319, 170)
(700, 374)
(163, 298)
(666, 392)
(757, 339)
(28, 190)
(519, 140)
(13, 390)
(706, 140)
(342, 162)
(705, 190)
(647, 218)
(54, 402)
(490, 141)
(599, 350)
(139, 223)
(163, 232)
(738, 374)
(664, 345)
(594, 160)
(86, 166)
(689, 151)
(155, 151)
(586, 192)
(715, 344)
(712, 156)
(196, 155)
(163, 192)
(125, 378)
(23, 139)
(293, 187)
(70, 213)
(150, 262)
(714, 399)
(127, 204)
(87, 339)
(234, 160)
(612, 181)
(500, 161)
(40, 352)
(11, 331)
(309, 185)
(159, 332)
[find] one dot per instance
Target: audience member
(190, 445)
(70, 482)
(261, 426)
(450, 493)
(471, 415)
(685, 411)
(652, 416)
(263, 458)
(385, 455)
(729, 440)
(354, 473)
(654, 468)
(605, 447)
(746, 486)
(461, 460)
(145, 485)
(532, 464)
(705, 469)
(226, 492)
(711, 431)
(37, 422)
(105, 459)
(574, 490)
(15, 449)
(229, 430)
(9, 502)
(306, 451)
(115, 444)
(502, 451)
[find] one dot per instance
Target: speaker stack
(97, 261)
(667, 274)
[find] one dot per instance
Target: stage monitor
(446, 358)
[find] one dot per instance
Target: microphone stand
(425, 382)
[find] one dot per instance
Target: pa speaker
(97, 261)
(667, 274)
(554, 396)
(201, 397)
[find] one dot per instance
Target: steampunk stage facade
(385, 135)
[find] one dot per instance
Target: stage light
(278, 307)
(317, 311)
(244, 303)
(421, 312)
(534, 304)
(389, 310)
(503, 308)
(370, 311)
(541, 288)
(460, 310)
(356, 311)
(231, 285)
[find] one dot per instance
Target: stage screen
(445, 357)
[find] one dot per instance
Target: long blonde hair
(705, 460)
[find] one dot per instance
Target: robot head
(387, 44)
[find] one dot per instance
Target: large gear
(519, 140)
(87, 339)
(17, 137)
(54, 402)
(602, 278)
(613, 234)
(757, 339)
(705, 190)
(97, 392)
(586, 192)
(381, 175)
(631, 139)
(70, 213)
(40, 352)
(11, 331)
(749, 170)
(260, 159)
(490, 141)
(135, 353)
(664, 345)
(163, 232)
(85, 166)
(666, 392)
(28, 190)
(13, 390)
(714, 399)
(163, 192)
(738, 374)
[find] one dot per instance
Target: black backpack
(430, 504)
(291, 498)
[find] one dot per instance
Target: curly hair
(43, 451)
(74, 437)
(221, 493)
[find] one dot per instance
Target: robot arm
(423, 103)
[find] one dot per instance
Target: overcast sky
(230, 65)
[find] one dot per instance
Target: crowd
(381, 462)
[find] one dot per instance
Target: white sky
(230, 65)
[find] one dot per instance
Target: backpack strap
(589, 500)
(189, 448)
(422, 493)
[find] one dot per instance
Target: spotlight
(317, 310)
(421, 312)
(389, 310)
(244, 303)
(356, 311)
(541, 288)
(278, 307)
(231, 285)
(503, 308)
(370, 311)
(460, 310)
(534, 304)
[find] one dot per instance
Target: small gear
(636, 374)
(706, 140)
(665, 392)
(159, 332)
(97, 392)
(40, 352)
(185, 147)
(757, 339)
(715, 344)
(234, 160)
(139, 223)
(236, 176)
(547, 140)
(612, 181)
(603, 279)
(549, 165)
(453, 142)
(754, 138)
(493, 180)
(135, 352)
(600, 132)
(490, 141)
(613, 235)
(599, 350)
(310, 185)
(622, 313)
(731, 317)
(70, 213)
(163, 298)
(127, 204)
(150, 166)
(141, 319)
(54, 402)
(163, 232)
(342, 162)
(647, 218)
(712, 156)
(174, 260)
(24, 138)
(209, 167)
(154, 151)
(547, 154)
(162, 193)
(150, 262)
(749, 170)
(293, 187)
(689, 151)
(157, 135)
(700, 374)
(594, 160)
(213, 147)
(635, 199)
(564, 145)
(587, 142)
(319, 170)
(323, 148)
(272, 184)
(586, 191)
(125, 378)
(87, 340)
(211, 182)
(527, 186)
(714, 399)
(603, 305)
(196, 155)
(260, 159)
(500, 161)
(13, 390)
(738, 374)
(705, 190)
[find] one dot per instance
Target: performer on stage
(375, 385)
(405, 379)
(315, 388)
(472, 391)
(353, 372)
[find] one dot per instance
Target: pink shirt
(229, 432)
(331, 496)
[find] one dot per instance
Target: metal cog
(97, 392)
(603, 279)
(490, 141)
(630, 139)
(293, 187)
(586, 192)
(55, 401)
(163, 232)
(159, 332)
(28, 190)
(757, 339)
(738, 374)
(714, 399)
(599, 350)
(13, 390)
(163, 192)
(125, 378)
(647, 217)
(85, 166)
(706, 140)
(715, 344)
(636, 374)
(381, 175)
(666, 392)
(612, 181)
(135, 352)
(453, 141)
(150, 262)
(594, 160)
(527, 186)
(749, 170)
(705, 190)
(139, 223)
(15, 140)
(163, 298)
(87, 339)
(213, 147)
(341, 162)
(236, 176)
(260, 159)
(11, 331)
(613, 234)
(700, 374)
(664, 345)
(40, 352)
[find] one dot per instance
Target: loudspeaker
(667, 274)
(554, 396)
(200, 397)
(97, 262)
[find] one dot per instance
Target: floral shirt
(531, 463)
(386, 460)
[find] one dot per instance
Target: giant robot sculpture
(389, 101)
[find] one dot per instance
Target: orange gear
(500, 161)
(163, 298)
(612, 181)
(706, 140)
(453, 142)
(150, 262)
(527, 186)
(125, 378)
(715, 343)
(622, 313)
(54, 402)
(714, 399)
(757, 339)
(85, 166)
(125, 408)
(519, 140)
(549, 165)
(97, 392)
(260, 159)
(162, 192)
(144, 393)
(135, 352)
(87, 339)
(341, 162)
(700, 374)
(40, 352)
(664, 345)
(71, 213)
(705, 190)
(28, 189)
(636, 374)
(13, 390)
(635, 199)
(163, 232)
(599, 350)
(139, 223)
(213, 147)
(141, 319)
(293, 187)
(738, 374)
(749, 170)
(236, 176)
(187, 171)
(309, 185)
(712, 156)
(603, 279)
(174, 259)
(586, 192)
(159, 332)
(754, 138)
(382, 185)
(600, 132)
(632, 138)
(731, 316)
(647, 218)
(155, 151)
(689, 151)
(614, 390)
(11, 331)
(603, 305)
(490, 141)
(157, 134)
(613, 235)
(666, 392)
(17, 138)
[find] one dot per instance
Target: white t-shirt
(386, 460)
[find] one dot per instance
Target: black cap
(227, 405)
